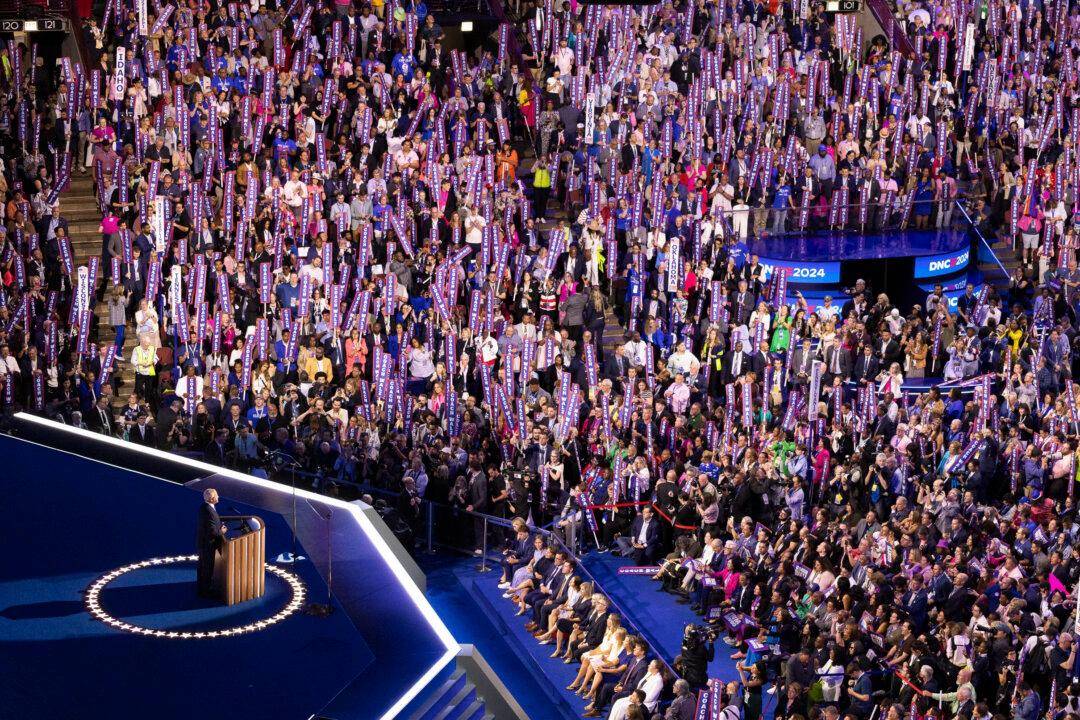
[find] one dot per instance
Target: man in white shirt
(563, 58)
(8, 364)
(295, 192)
(474, 226)
(634, 349)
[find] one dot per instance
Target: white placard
(120, 78)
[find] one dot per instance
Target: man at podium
(210, 536)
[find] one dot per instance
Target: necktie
(104, 419)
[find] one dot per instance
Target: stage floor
(69, 521)
(860, 246)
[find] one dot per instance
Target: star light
(94, 607)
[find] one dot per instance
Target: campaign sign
(816, 273)
(935, 265)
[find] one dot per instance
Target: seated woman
(562, 619)
(521, 581)
(613, 663)
(593, 624)
(604, 648)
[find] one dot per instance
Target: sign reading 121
(810, 273)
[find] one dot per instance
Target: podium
(240, 564)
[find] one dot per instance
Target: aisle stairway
(1003, 248)
(80, 208)
(455, 699)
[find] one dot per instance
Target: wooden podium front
(240, 565)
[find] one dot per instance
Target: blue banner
(946, 264)
(818, 273)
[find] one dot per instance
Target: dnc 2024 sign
(815, 273)
(934, 265)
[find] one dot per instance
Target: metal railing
(455, 528)
(894, 31)
(860, 217)
(982, 240)
(31, 9)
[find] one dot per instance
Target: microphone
(244, 527)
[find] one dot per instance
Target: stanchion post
(483, 549)
(430, 523)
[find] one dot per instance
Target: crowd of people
(333, 236)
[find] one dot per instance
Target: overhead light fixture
(466, 26)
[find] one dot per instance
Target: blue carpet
(660, 618)
(69, 520)
(501, 611)
(449, 590)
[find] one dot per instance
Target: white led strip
(93, 603)
(363, 523)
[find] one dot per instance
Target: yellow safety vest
(145, 358)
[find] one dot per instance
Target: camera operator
(697, 652)
(706, 503)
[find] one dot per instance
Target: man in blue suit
(642, 543)
(620, 686)
(915, 602)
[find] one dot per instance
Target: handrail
(894, 31)
(982, 239)
(551, 537)
(852, 224)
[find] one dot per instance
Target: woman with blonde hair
(613, 633)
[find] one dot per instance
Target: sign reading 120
(817, 273)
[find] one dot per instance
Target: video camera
(695, 636)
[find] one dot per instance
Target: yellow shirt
(314, 366)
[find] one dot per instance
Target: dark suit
(208, 540)
(148, 438)
(728, 369)
(837, 364)
(99, 420)
(866, 368)
(594, 635)
(915, 604)
(758, 362)
(802, 364)
(636, 668)
(742, 304)
(215, 453)
(890, 352)
(646, 555)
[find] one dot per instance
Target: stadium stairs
(79, 206)
(454, 699)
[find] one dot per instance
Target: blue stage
(828, 263)
(861, 246)
(71, 520)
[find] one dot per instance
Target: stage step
(455, 699)
(449, 689)
(455, 707)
